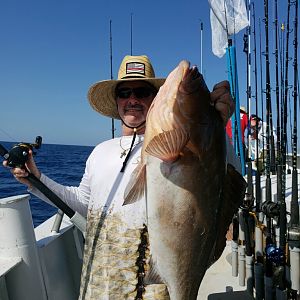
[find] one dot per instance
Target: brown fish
(191, 194)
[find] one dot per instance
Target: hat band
(134, 76)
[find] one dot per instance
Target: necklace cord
(130, 150)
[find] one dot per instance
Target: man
(114, 256)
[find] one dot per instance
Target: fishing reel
(274, 254)
(248, 201)
(271, 209)
(18, 155)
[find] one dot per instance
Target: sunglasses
(139, 92)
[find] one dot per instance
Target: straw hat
(101, 95)
(242, 108)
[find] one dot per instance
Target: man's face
(133, 101)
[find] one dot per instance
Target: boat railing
(37, 263)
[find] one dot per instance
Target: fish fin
(233, 193)
(152, 275)
(136, 186)
(168, 145)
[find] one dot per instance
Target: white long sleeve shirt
(113, 230)
(102, 183)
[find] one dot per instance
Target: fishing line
(111, 73)
(8, 135)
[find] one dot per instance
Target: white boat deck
(219, 280)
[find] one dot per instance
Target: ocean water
(62, 163)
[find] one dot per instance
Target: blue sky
(53, 51)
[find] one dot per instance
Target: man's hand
(221, 99)
(21, 174)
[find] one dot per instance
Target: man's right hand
(21, 174)
(221, 99)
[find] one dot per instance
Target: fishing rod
(275, 263)
(233, 80)
(293, 234)
(290, 158)
(268, 196)
(282, 92)
(246, 50)
(111, 73)
(278, 160)
(236, 124)
(258, 265)
(247, 206)
(201, 46)
(261, 96)
(268, 103)
(239, 257)
(257, 175)
(131, 34)
(277, 75)
(7, 134)
(271, 137)
(278, 164)
(17, 156)
(294, 202)
(283, 220)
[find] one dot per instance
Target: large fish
(191, 193)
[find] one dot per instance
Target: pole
(201, 48)
(111, 74)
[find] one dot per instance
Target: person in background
(244, 124)
(260, 134)
(115, 232)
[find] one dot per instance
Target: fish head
(180, 115)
